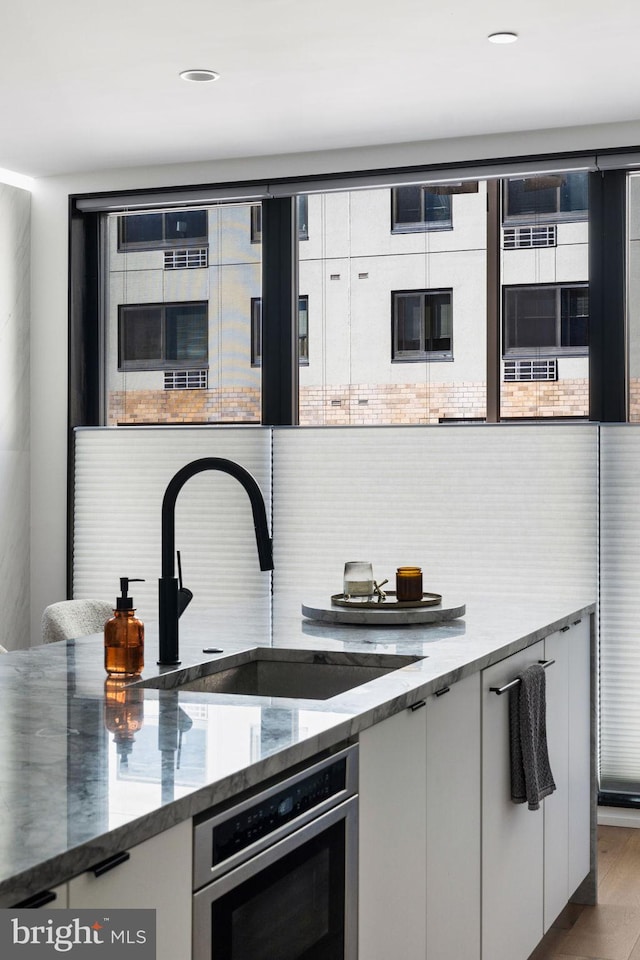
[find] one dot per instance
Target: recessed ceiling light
(200, 76)
(502, 37)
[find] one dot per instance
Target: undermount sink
(270, 672)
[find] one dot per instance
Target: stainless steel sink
(270, 672)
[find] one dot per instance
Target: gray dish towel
(531, 777)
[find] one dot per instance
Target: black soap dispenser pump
(124, 636)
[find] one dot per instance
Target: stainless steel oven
(275, 876)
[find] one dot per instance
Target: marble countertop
(74, 790)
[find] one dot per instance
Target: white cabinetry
(392, 838)
(157, 876)
(453, 822)
(512, 835)
(62, 897)
(580, 753)
(419, 816)
(533, 861)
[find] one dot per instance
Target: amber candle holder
(408, 584)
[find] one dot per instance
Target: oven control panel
(225, 839)
(268, 814)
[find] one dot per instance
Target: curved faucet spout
(168, 584)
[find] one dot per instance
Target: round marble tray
(391, 615)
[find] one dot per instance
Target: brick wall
(634, 400)
(359, 404)
(236, 405)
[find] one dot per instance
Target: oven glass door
(297, 905)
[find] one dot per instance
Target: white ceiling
(87, 86)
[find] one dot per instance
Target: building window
(302, 208)
(156, 336)
(546, 319)
(422, 325)
(419, 208)
(153, 231)
(548, 197)
(256, 330)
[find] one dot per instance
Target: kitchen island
(77, 788)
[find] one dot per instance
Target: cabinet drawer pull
(516, 681)
(416, 706)
(105, 865)
(38, 899)
(576, 622)
(564, 629)
(441, 692)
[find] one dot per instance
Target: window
(422, 325)
(151, 231)
(157, 336)
(256, 330)
(419, 208)
(302, 207)
(546, 319)
(548, 197)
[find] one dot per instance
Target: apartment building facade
(392, 306)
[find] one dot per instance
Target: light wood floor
(610, 930)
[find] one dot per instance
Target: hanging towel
(531, 777)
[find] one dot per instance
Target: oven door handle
(265, 858)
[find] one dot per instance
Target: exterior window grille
(544, 235)
(530, 370)
(186, 379)
(185, 259)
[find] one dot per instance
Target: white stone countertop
(70, 796)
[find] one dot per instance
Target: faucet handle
(185, 596)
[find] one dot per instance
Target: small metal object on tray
(390, 602)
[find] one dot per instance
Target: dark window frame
(256, 332)
(163, 362)
(549, 350)
(544, 183)
(424, 223)
(420, 355)
(165, 243)
(302, 217)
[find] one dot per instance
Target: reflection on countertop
(87, 769)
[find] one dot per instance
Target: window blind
(619, 592)
(120, 479)
(486, 511)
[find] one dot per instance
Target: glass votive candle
(358, 579)
(408, 584)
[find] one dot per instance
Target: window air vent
(530, 370)
(521, 237)
(183, 259)
(186, 379)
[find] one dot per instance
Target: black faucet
(172, 596)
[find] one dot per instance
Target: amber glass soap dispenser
(124, 636)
